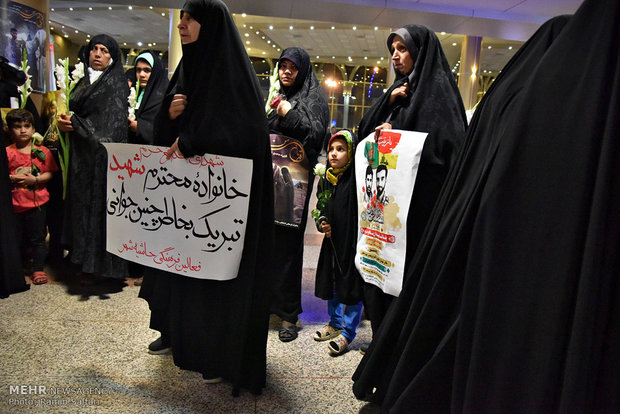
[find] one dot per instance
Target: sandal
(288, 333)
(326, 332)
(39, 278)
(338, 346)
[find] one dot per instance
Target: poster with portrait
(185, 216)
(24, 33)
(290, 179)
(385, 174)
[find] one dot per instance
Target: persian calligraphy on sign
(185, 216)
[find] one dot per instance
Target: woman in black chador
(152, 81)
(517, 307)
(99, 114)
(425, 98)
(303, 115)
(214, 105)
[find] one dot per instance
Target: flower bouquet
(66, 83)
(274, 94)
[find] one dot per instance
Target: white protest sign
(185, 216)
(385, 173)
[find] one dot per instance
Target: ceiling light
(509, 47)
(290, 27)
(365, 57)
(318, 57)
(453, 44)
(66, 35)
(151, 7)
(139, 44)
(270, 27)
(354, 27)
(124, 43)
(257, 32)
(247, 42)
(268, 41)
(333, 27)
(90, 8)
(77, 31)
(51, 9)
(88, 35)
(264, 53)
(246, 34)
(376, 28)
(443, 33)
(243, 15)
(109, 7)
(71, 8)
(311, 27)
(130, 7)
(163, 14)
(490, 47)
(150, 45)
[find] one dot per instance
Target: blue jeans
(345, 317)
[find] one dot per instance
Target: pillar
(470, 66)
(175, 52)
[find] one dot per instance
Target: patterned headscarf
(332, 173)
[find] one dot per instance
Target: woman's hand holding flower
(326, 228)
(133, 125)
(64, 123)
(177, 106)
(283, 108)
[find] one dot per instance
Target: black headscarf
(152, 98)
(536, 243)
(224, 115)
(308, 119)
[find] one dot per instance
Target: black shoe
(363, 349)
(159, 347)
(288, 333)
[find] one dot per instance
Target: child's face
(337, 153)
(22, 132)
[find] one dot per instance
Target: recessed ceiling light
(354, 27)
(130, 7)
(243, 15)
(290, 27)
(376, 28)
(139, 44)
(246, 34)
(443, 33)
(90, 8)
(509, 47)
(270, 27)
(333, 27)
(71, 8)
(109, 7)
(77, 31)
(311, 27)
(453, 44)
(247, 42)
(490, 47)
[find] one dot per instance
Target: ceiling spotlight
(290, 27)
(270, 27)
(333, 28)
(77, 31)
(311, 27)
(247, 42)
(354, 27)
(490, 47)
(90, 8)
(453, 44)
(443, 33)
(376, 27)
(243, 15)
(246, 34)
(509, 47)
(109, 7)
(163, 14)
(130, 7)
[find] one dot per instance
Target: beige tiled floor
(95, 346)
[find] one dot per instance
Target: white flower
(319, 169)
(131, 99)
(78, 72)
(60, 76)
(37, 138)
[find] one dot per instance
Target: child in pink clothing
(30, 168)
